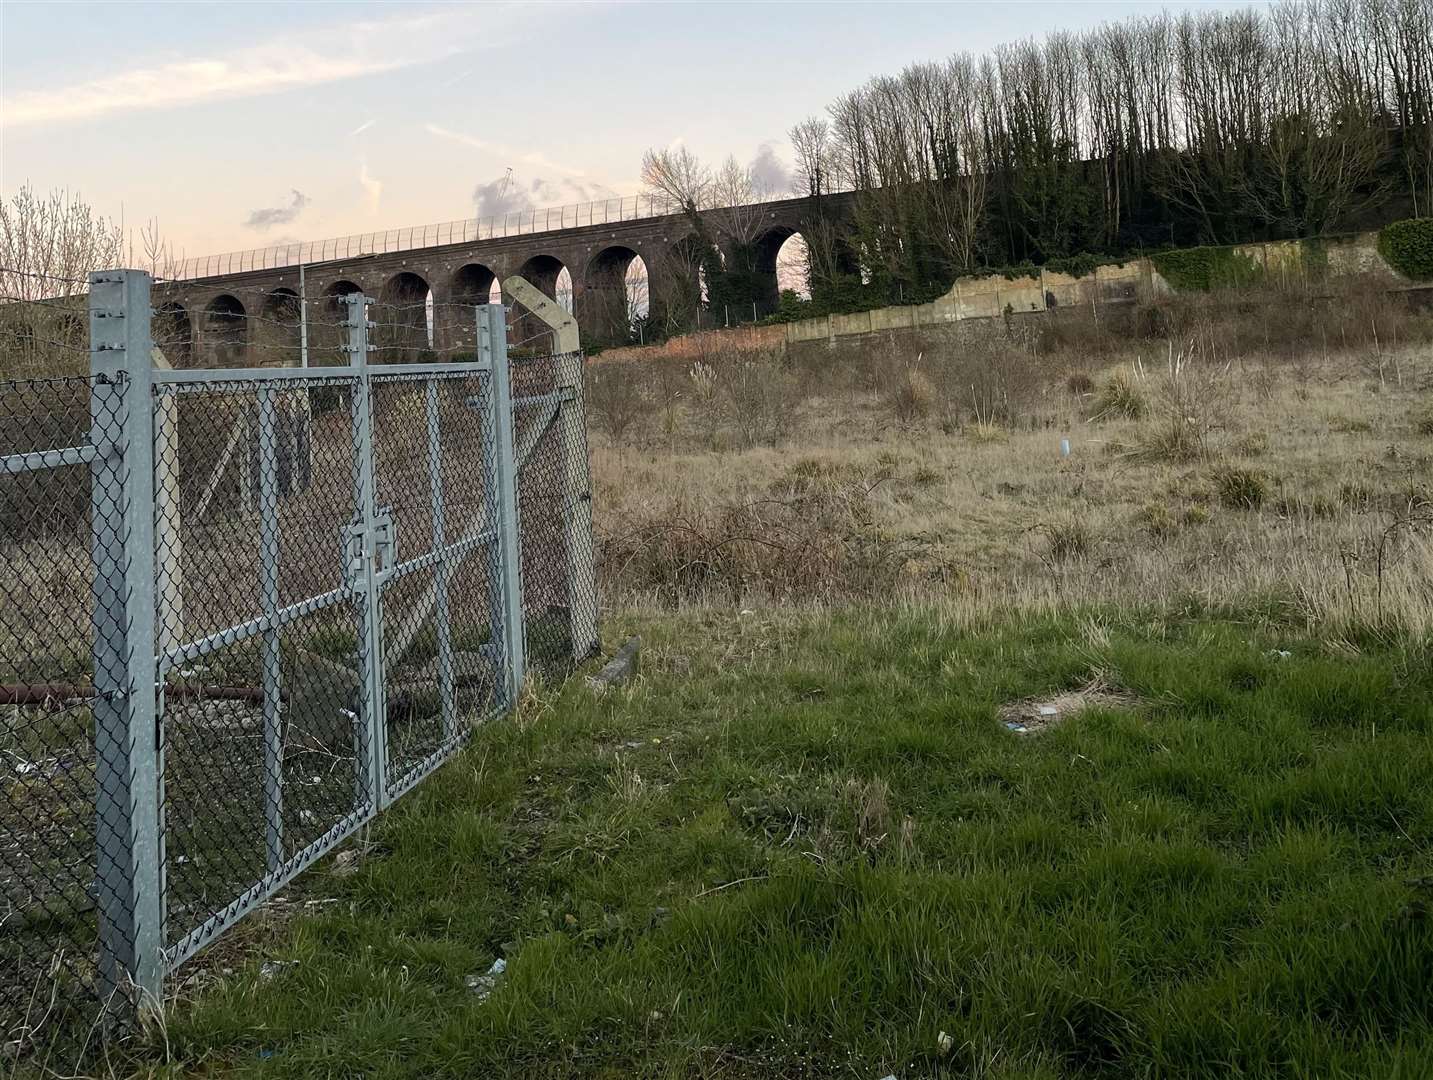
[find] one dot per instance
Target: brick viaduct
(252, 318)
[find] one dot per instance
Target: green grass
(824, 849)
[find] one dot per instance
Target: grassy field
(805, 844)
(1214, 466)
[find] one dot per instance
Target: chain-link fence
(243, 611)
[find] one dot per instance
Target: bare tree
(678, 175)
(48, 246)
(811, 143)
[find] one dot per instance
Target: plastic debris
(345, 863)
(484, 985)
(272, 969)
(944, 1042)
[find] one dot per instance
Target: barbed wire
(44, 276)
(49, 302)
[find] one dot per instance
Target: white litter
(483, 985)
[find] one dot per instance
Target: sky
(248, 124)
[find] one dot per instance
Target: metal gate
(318, 654)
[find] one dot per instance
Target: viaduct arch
(250, 319)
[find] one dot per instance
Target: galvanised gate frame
(359, 667)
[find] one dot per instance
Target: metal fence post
(269, 544)
(371, 720)
(128, 773)
(493, 349)
(577, 538)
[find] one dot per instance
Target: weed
(1066, 539)
(910, 397)
(1350, 425)
(1359, 498)
(1254, 444)
(1156, 519)
(1241, 489)
(1122, 397)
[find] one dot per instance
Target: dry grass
(1300, 483)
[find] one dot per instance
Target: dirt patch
(1031, 716)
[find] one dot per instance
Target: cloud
(768, 171)
(500, 196)
(277, 215)
(286, 62)
(509, 195)
(371, 187)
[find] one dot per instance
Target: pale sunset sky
(242, 124)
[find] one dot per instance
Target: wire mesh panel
(262, 676)
(52, 803)
(443, 663)
(554, 502)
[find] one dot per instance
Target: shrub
(1080, 384)
(816, 536)
(1121, 397)
(791, 308)
(1407, 246)
(1174, 440)
(757, 396)
(615, 399)
(910, 397)
(1241, 489)
(1204, 268)
(1422, 419)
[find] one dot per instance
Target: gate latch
(384, 548)
(385, 540)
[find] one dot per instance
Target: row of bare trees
(49, 243)
(1213, 127)
(717, 265)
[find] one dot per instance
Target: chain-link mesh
(327, 591)
(443, 664)
(554, 507)
(261, 655)
(55, 811)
